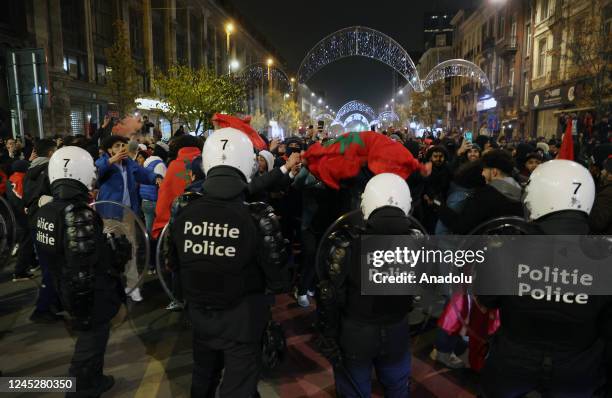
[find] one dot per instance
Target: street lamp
(233, 65)
(320, 101)
(386, 105)
(229, 28)
(312, 94)
(401, 92)
(269, 62)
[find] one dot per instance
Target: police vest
(215, 244)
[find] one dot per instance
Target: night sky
(294, 27)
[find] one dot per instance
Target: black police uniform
(228, 253)
(362, 331)
(70, 236)
(555, 348)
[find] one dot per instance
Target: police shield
(8, 231)
(164, 274)
(120, 220)
(349, 223)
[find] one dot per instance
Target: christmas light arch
(256, 75)
(353, 107)
(456, 67)
(370, 43)
(359, 41)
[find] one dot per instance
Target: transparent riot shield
(8, 231)
(121, 220)
(164, 274)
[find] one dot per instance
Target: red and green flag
(343, 157)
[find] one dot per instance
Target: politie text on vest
(209, 231)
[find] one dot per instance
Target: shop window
(76, 122)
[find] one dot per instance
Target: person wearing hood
(37, 192)
(435, 185)
(501, 196)
(265, 165)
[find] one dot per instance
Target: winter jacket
(455, 200)
(111, 183)
(155, 165)
(36, 184)
(175, 181)
(501, 197)
(600, 219)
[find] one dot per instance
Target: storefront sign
(486, 104)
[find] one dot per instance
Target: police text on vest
(42, 236)
(556, 281)
(208, 247)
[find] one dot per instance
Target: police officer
(359, 332)
(228, 253)
(69, 234)
(553, 347)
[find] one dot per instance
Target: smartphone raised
(467, 136)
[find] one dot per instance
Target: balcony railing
(509, 46)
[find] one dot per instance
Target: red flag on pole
(242, 125)
(567, 146)
(344, 157)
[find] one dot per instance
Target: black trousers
(514, 369)
(88, 360)
(213, 354)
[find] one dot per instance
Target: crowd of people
(188, 181)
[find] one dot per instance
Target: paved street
(150, 354)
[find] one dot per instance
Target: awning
(573, 110)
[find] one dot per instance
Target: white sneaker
(310, 293)
(15, 250)
(448, 359)
(175, 306)
(135, 295)
(303, 301)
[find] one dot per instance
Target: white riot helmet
(385, 190)
(558, 185)
(73, 163)
(232, 148)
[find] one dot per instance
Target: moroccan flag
(344, 157)
(242, 125)
(567, 146)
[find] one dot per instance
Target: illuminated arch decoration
(353, 107)
(256, 75)
(370, 43)
(388, 117)
(356, 119)
(456, 67)
(359, 41)
(324, 116)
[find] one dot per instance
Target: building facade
(522, 46)
(493, 38)
(74, 33)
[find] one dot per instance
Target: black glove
(121, 251)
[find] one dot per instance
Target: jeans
(392, 374)
(367, 345)
(148, 208)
